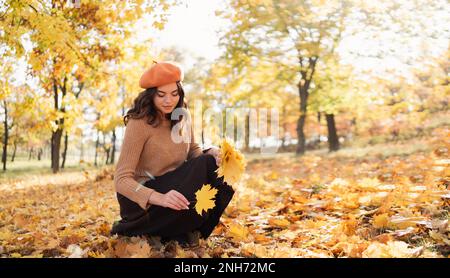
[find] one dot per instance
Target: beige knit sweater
(148, 152)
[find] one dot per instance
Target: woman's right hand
(172, 199)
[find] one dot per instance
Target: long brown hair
(144, 106)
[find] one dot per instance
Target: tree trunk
(306, 75)
(5, 136)
(56, 146)
(97, 143)
(64, 154)
(107, 156)
(57, 135)
(301, 120)
(51, 152)
(247, 133)
(355, 127)
(113, 149)
(283, 137)
(105, 149)
(30, 153)
(81, 149)
(14, 152)
(318, 128)
(40, 151)
(203, 137)
(333, 141)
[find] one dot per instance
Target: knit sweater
(148, 152)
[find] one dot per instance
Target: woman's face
(166, 98)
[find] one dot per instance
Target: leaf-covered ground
(309, 206)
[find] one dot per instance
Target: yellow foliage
(393, 249)
(281, 223)
(233, 163)
(350, 225)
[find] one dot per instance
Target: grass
(23, 168)
(383, 150)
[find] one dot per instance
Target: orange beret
(160, 74)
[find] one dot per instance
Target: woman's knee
(209, 156)
(210, 161)
(206, 158)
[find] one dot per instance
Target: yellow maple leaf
(381, 221)
(281, 223)
(237, 232)
(349, 225)
(205, 198)
(392, 249)
(233, 163)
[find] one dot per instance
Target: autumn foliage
(309, 206)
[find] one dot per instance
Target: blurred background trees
(340, 73)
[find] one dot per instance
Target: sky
(193, 25)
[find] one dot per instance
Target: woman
(156, 177)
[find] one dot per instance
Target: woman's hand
(172, 199)
(215, 152)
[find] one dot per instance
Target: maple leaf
(281, 223)
(392, 249)
(237, 232)
(381, 220)
(233, 163)
(205, 198)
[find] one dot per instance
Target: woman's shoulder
(138, 124)
(134, 121)
(143, 124)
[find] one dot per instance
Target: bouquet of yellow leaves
(231, 168)
(233, 163)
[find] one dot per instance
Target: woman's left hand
(214, 151)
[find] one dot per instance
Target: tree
(334, 94)
(66, 40)
(299, 32)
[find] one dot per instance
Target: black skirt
(174, 224)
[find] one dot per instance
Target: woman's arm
(136, 134)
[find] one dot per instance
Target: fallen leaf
(205, 198)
